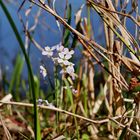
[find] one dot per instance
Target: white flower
(64, 56)
(43, 71)
(48, 51)
(59, 47)
(62, 59)
(40, 101)
(66, 51)
(70, 70)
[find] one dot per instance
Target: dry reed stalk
(119, 13)
(87, 30)
(125, 36)
(109, 36)
(59, 110)
(118, 98)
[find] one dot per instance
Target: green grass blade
(70, 95)
(66, 31)
(15, 80)
(123, 134)
(21, 44)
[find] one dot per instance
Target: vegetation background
(91, 94)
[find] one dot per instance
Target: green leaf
(85, 137)
(66, 31)
(122, 136)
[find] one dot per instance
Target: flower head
(70, 71)
(59, 47)
(64, 56)
(60, 56)
(48, 51)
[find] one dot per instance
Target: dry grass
(107, 103)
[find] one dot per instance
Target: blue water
(47, 33)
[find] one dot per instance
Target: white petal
(66, 62)
(71, 52)
(60, 48)
(44, 74)
(44, 53)
(53, 48)
(43, 71)
(73, 76)
(61, 55)
(50, 53)
(70, 70)
(60, 60)
(42, 68)
(66, 50)
(47, 48)
(68, 56)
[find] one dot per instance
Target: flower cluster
(61, 56)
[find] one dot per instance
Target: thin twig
(59, 110)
